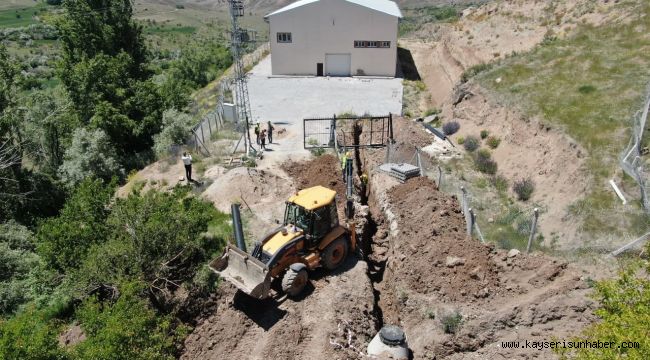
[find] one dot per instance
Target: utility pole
(239, 37)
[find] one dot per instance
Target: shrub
(460, 140)
(91, 154)
(451, 322)
(484, 134)
(176, 129)
(29, 335)
(586, 89)
(431, 111)
(451, 127)
(499, 182)
(493, 142)
(475, 70)
(484, 163)
(524, 188)
(471, 143)
(129, 327)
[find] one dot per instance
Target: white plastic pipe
(618, 191)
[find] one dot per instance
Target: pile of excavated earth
(422, 273)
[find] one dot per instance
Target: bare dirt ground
(421, 269)
(442, 52)
(530, 149)
(431, 269)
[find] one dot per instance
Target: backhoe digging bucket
(248, 274)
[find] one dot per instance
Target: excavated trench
(370, 226)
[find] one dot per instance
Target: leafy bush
(63, 241)
(493, 142)
(176, 129)
(586, 89)
(157, 237)
(475, 70)
(484, 134)
(484, 163)
(499, 182)
(624, 316)
(30, 335)
(451, 322)
(127, 329)
(432, 111)
(17, 260)
(524, 188)
(451, 127)
(471, 143)
(460, 140)
(91, 155)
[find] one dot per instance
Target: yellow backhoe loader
(310, 237)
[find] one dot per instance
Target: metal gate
(347, 131)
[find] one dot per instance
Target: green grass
(590, 85)
(186, 30)
(19, 17)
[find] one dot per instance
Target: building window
(371, 44)
(284, 37)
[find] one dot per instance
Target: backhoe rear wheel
(294, 282)
(335, 253)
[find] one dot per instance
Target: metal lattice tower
(238, 38)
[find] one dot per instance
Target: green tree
(91, 155)
(129, 329)
(63, 241)
(30, 335)
(158, 237)
(176, 129)
(105, 72)
(17, 260)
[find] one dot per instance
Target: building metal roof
(385, 6)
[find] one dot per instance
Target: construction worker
(262, 139)
(187, 161)
(270, 133)
(344, 161)
(364, 179)
(257, 133)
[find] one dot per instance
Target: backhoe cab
(309, 237)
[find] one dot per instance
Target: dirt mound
(333, 320)
(324, 170)
(434, 255)
(261, 193)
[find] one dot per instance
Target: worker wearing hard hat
(344, 161)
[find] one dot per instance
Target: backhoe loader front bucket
(248, 274)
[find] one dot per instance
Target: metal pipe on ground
(237, 227)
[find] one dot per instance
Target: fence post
(464, 199)
(439, 177)
(418, 161)
(202, 137)
(470, 223)
(209, 125)
(533, 228)
(387, 160)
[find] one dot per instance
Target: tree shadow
(406, 68)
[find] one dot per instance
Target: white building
(335, 38)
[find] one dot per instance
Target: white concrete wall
(331, 27)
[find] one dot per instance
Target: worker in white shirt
(187, 161)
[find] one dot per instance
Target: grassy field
(590, 85)
(19, 16)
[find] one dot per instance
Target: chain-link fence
(214, 121)
(631, 161)
(512, 226)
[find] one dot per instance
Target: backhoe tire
(294, 282)
(335, 253)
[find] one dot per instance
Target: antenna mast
(238, 38)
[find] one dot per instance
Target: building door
(338, 64)
(319, 69)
